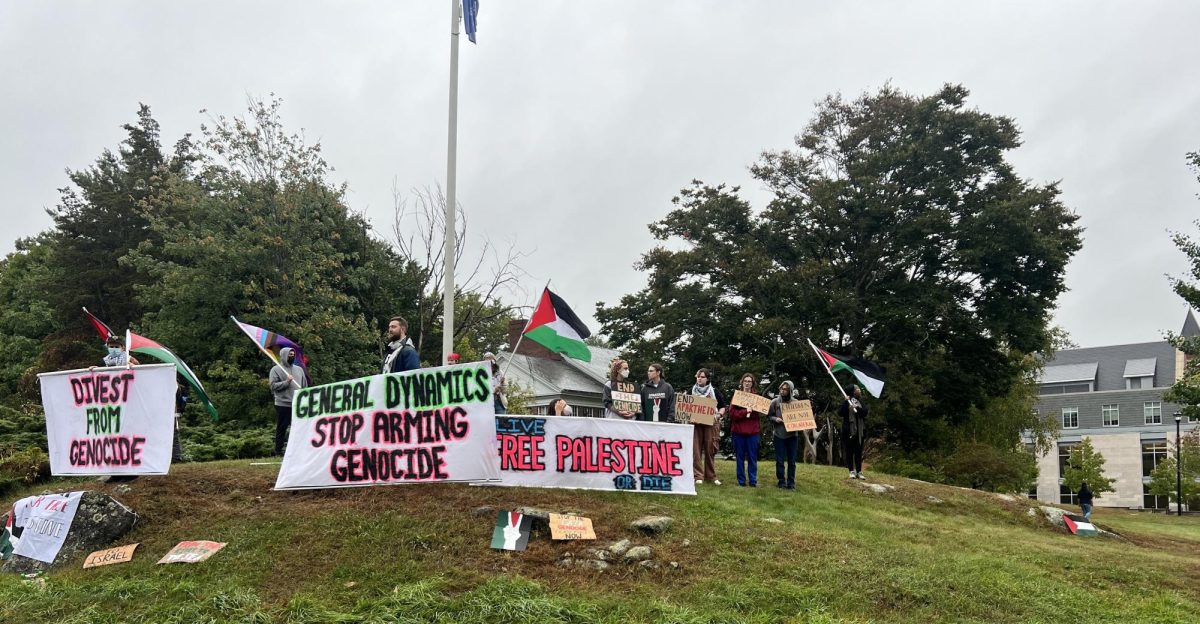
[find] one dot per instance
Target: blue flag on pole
(470, 14)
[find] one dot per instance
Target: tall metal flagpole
(451, 198)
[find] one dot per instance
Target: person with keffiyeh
(704, 437)
(401, 355)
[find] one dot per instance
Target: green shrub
(22, 467)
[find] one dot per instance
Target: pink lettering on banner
(102, 388)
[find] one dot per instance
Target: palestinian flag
(868, 373)
(102, 329)
(554, 326)
(8, 541)
(270, 343)
(144, 346)
(1079, 525)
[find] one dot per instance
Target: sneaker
(862, 476)
(853, 475)
(791, 486)
(754, 485)
(716, 482)
(699, 481)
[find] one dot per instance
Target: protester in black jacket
(854, 424)
(658, 397)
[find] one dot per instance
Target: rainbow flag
(270, 343)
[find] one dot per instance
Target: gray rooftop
(1140, 368)
(1111, 364)
(1064, 373)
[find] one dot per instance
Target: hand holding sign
(797, 416)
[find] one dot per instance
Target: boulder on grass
(99, 522)
(652, 524)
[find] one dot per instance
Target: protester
(499, 396)
(746, 429)
(787, 443)
(1085, 500)
(559, 407)
(453, 358)
(618, 374)
(401, 355)
(116, 354)
(284, 379)
(658, 397)
(181, 399)
(854, 424)
(704, 437)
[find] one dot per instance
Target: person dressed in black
(854, 423)
(658, 397)
(1085, 500)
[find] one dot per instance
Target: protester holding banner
(854, 424)
(658, 397)
(498, 397)
(746, 429)
(284, 382)
(401, 355)
(616, 390)
(787, 443)
(116, 355)
(704, 437)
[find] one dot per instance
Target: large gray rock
(638, 553)
(1054, 516)
(652, 524)
(99, 522)
(620, 548)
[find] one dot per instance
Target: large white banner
(595, 454)
(110, 421)
(43, 523)
(428, 425)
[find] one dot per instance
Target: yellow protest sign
(120, 554)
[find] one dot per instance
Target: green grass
(420, 554)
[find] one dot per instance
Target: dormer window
(1139, 374)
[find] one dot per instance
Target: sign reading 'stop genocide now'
(110, 421)
(595, 454)
(433, 424)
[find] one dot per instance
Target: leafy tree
(26, 317)
(899, 231)
(1163, 478)
(1186, 391)
(983, 466)
(1085, 463)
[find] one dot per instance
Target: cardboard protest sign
(751, 401)
(428, 425)
(110, 421)
(512, 531)
(699, 410)
(41, 524)
(571, 528)
(594, 454)
(120, 554)
(625, 397)
(191, 552)
(797, 415)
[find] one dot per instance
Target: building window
(589, 412)
(1111, 414)
(1064, 453)
(1070, 417)
(1066, 496)
(1150, 501)
(1153, 412)
(1065, 388)
(1153, 453)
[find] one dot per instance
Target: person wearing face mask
(854, 424)
(704, 437)
(658, 397)
(746, 430)
(787, 443)
(401, 355)
(499, 397)
(618, 381)
(116, 355)
(284, 380)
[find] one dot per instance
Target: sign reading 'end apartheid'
(595, 454)
(428, 425)
(110, 421)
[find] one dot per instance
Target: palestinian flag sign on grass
(554, 326)
(144, 346)
(868, 373)
(1079, 525)
(8, 541)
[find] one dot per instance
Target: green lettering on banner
(437, 390)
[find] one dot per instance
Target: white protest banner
(110, 421)
(428, 425)
(43, 523)
(595, 454)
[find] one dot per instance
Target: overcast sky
(580, 120)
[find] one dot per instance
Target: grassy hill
(420, 553)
